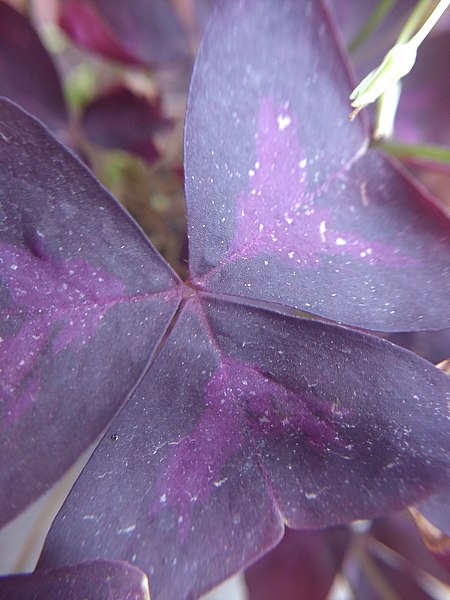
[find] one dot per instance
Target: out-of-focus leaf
(141, 32)
(375, 576)
(98, 580)
(437, 542)
(432, 345)
(424, 110)
(303, 565)
(437, 510)
(399, 534)
(284, 201)
(85, 299)
(27, 73)
(121, 120)
(255, 419)
(352, 16)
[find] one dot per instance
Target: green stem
(414, 20)
(380, 12)
(437, 13)
(437, 154)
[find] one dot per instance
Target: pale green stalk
(414, 20)
(381, 11)
(437, 13)
(380, 84)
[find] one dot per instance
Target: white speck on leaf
(283, 121)
(323, 230)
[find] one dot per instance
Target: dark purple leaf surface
(99, 580)
(84, 298)
(255, 419)
(27, 73)
(284, 202)
(122, 120)
(303, 565)
(141, 32)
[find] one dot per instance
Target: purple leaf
(256, 419)
(303, 565)
(27, 73)
(432, 517)
(284, 201)
(99, 580)
(141, 32)
(376, 577)
(437, 510)
(399, 534)
(432, 345)
(85, 299)
(424, 112)
(121, 120)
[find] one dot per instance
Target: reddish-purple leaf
(85, 299)
(424, 111)
(437, 510)
(432, 517)
(119, 119)
(374, 575)
(399, 534)
(98, 580)
(255, 419)
(284, 201)
(141, 32)
(432, 345)
(27, 73)
(303, 565)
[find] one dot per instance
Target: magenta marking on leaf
(31, 281)
(297, 230)
(243, 405)
(67, 302)
(18, 355)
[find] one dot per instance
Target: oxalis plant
(248, 397)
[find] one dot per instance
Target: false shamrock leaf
(424, 114)
(283, 187)
(139, 32)
(85, 299)
(97, 580)
(117, 119)
(303, 565)
(27, 73)
(248, 417)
